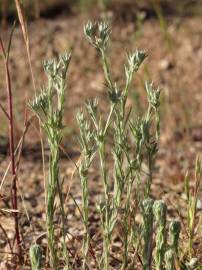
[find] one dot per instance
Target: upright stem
(106, 69)
(150, 175)
(11, 149)
(52, 185)
(106, 190)
(150, 161)
(85, 198)
(12, 157)
(126, 227)
(65, 252)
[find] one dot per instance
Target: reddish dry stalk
(11, 150)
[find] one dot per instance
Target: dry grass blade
(23, 24)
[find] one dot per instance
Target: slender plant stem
(106, 69)
(85, 203)
(11, 146)
(65, 252)
(52, 185)
(106, 213)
